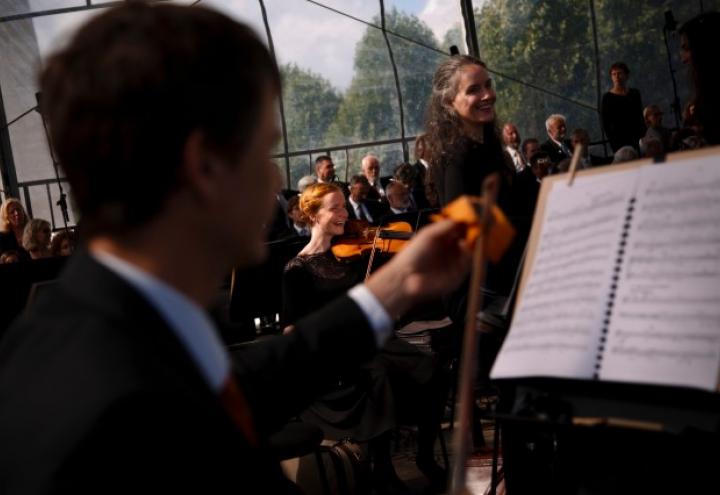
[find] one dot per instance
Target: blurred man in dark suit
(117, 381)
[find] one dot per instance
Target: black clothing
(376, 209)
(622, 119)
(312, 281)
(8, 242)
(555, 151)
(464, 174)
(99, 396)
(358, 404)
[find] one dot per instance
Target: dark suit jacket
(377, 210)
(98, 396)
(555, 152)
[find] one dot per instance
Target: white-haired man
(556, 146)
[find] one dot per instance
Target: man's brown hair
(123, 97)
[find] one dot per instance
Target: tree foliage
(550, 45)
(311, 104)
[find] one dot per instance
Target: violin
(361, 239)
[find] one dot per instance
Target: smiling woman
(463, 144)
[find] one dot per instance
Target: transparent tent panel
(338, 83)
(19, 7)
(416, 66)
(364, 10)
(528, 109)
(638, 41)
(442, 17)
(245, 11)
(43, 204)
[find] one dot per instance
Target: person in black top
(464, 149)
(359, 404)
(698, 45)
(622, 110)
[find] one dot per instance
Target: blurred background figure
(625, 154)
(9, 257)
(12, 225)
(622, 110)
(511, 146)
(698, 49)
(36, 238)
(305, 181)
(63, 243)
(654, 121)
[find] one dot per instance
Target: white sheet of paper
(556, 327)
(665, 326)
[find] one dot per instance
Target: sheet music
(665, 327)
(557, 325)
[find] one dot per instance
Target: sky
(309, 35)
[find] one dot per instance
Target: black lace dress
(359, 405)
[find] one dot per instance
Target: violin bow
(372, 254)
(462, 436)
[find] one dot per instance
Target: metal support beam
(406, 154)
(471, 38)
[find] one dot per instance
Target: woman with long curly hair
(462, 142)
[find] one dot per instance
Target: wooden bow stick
(494, 235)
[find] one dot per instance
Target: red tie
(238, 409)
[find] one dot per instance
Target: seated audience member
(556, 146)
(651, 147)
(358, 207)
(564, 166)
(12, 226)
(625, 154)
(409, 176)
(582, 137)
(36, 238)
(131, 388)
(540, 164)
(370, 166)
(305, 181)
(398, 197)
(424, 192)
(529, 147)
(63, 243)
(653, 120)
(8, 257)
(511, 146)
(299, 225)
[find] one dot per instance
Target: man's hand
(433, 263)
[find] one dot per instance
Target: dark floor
(479, 465)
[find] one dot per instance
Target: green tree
(370, 110)
(550, 45)
(310, 103)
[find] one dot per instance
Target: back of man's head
(133, 84)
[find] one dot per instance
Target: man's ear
(199, 166)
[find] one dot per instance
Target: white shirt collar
(424, 163)
(188, 321)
